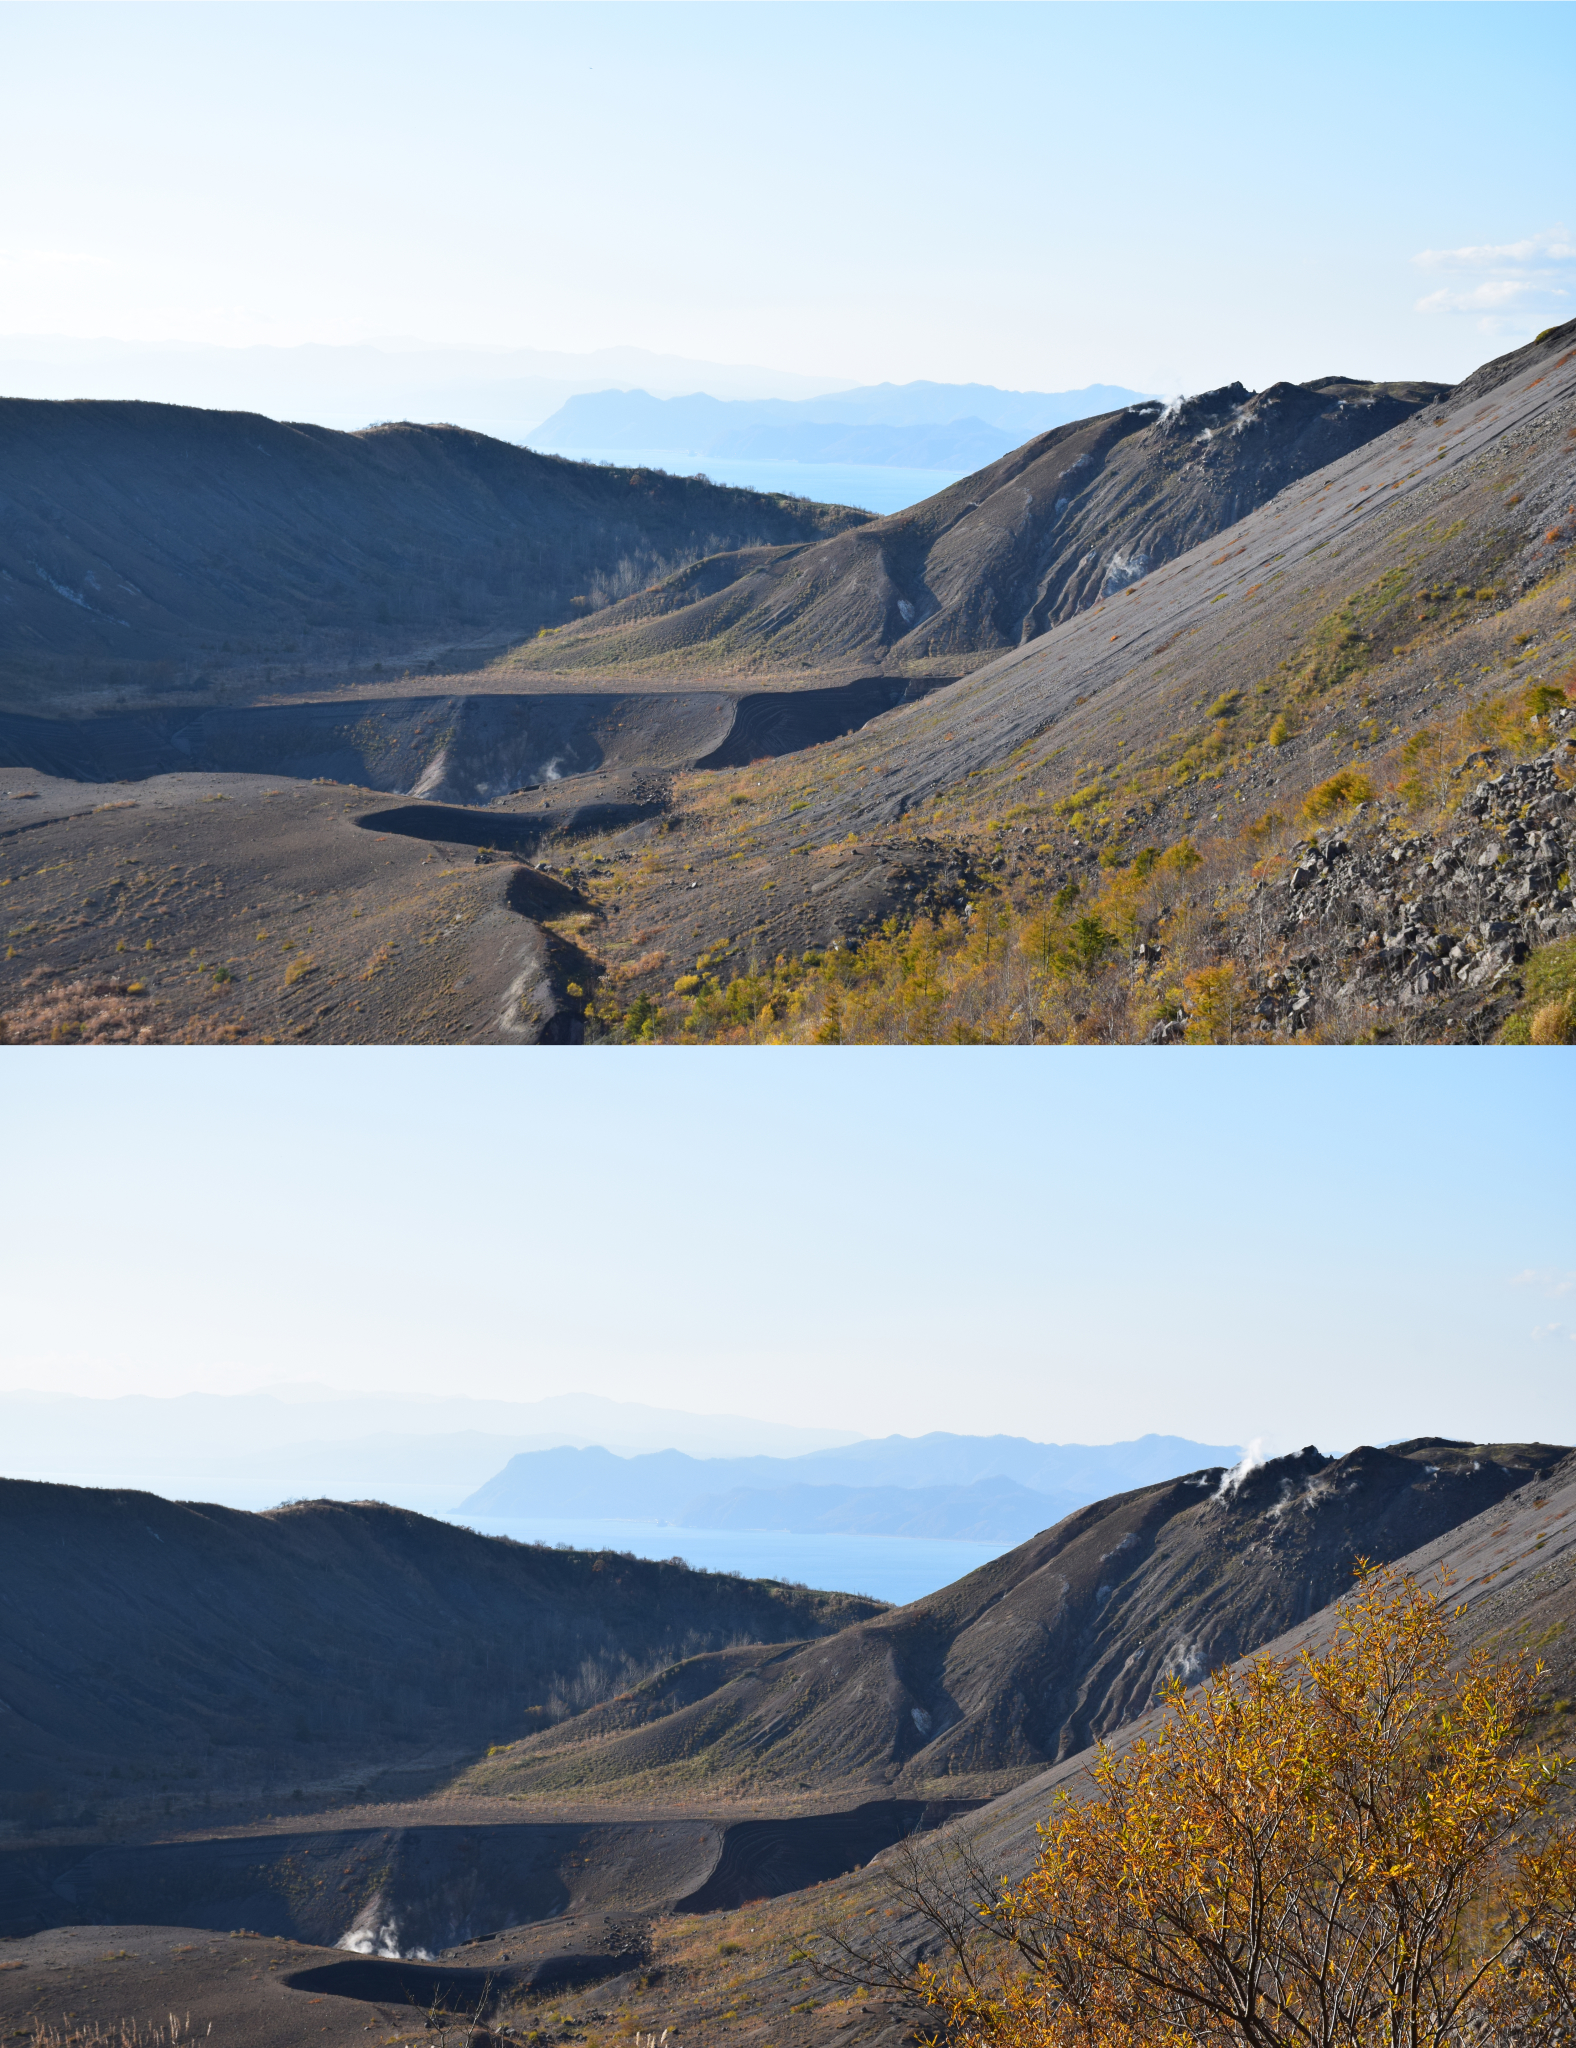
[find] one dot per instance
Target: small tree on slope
(1348, 1850)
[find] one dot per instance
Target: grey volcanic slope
(1034, 1655)
(453, 747)
(1038, 536)
(1515, 1575)
(1511, 1573)
(176, 1642)
(1109, 716)
(159, 544)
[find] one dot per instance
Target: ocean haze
(504, 392)
(252, 1450)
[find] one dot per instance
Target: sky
(1318, 1246)
(1164, 196)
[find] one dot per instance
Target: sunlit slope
(1036, 1654)
(1405, 582)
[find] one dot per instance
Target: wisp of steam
(1250, 1461)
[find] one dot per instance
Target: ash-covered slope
(162, 545)
(1510, 1576)
(1040, 1652)
(1062, 522)
(156, 1637)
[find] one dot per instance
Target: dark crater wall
(139, 1634)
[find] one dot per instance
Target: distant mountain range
(985, 1489)
(291, 1442)
(500, 391)
(916, 426)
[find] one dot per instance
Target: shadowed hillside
(1038, 1653)
(175, 1647)
(1068, 519)
(158, 546)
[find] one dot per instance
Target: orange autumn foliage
(1347, 1849)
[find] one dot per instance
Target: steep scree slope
(1036, 1654)
(1400, 587)
(172, 1640)
(1510, 1571)
(1068, 519)
(159, 545)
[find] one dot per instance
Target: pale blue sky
(1166, 196)
(1313, 1246)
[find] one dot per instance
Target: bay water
(896, 1568)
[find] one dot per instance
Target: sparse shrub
(1339, 792)
(1554, 1023)
(1549, 982)
(1280, 730)
(77, 1013)
(299, 969)
(686, 985)
(1226, 705)
(1542, 698)
(1181, 859)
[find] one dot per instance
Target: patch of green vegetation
(1342, 791)
(1546, 1014)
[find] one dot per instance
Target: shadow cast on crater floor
(504, 831)
(380, 1980)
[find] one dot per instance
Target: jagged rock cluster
(1397, 918)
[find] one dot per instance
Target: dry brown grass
(52, 1012)
(176, 2032)
(79, 1013)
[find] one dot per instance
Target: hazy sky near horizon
(1316, 1246)
(1166, 196)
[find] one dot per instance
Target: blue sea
(897, 1568)
(873, 487)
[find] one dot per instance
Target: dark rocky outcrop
(1383, 918)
